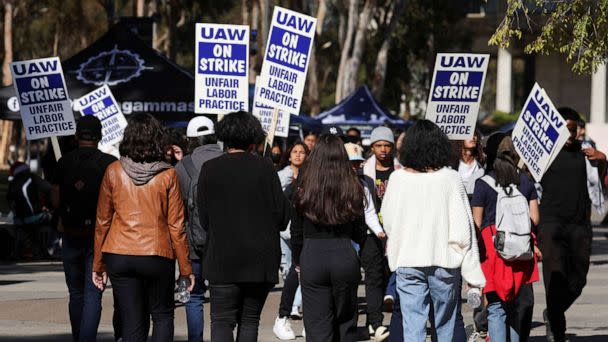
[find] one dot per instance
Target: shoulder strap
(189, 166)
(492, 183)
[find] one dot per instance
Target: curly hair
(426, 148)
(328, 191)
(239, 130)
(145, 140)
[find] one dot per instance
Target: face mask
(276, 158)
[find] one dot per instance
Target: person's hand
(192, 282)
(538, 253)
(381, 235)
(178, 153)
(100, 280)
(594, 154)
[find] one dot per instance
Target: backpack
(80, 192)
(513, 239)
(196, 234)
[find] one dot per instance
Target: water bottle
(183, 295)
(474, 298)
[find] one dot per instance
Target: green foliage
(500, 118)
(576, 28)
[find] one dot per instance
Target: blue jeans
(396, 325)
(285, 256)
(417, 287)
(194, 307)
(85, 298)
(499, 328)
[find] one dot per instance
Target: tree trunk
(255, 18)
(172, 11)
(140, 10)
(313, 84)
(352, 71)
(265, 23)
(352, 23)
(382, 58)
(56, 40)
(7, 126)
(321, 14)
(245, 12)
(342, 21)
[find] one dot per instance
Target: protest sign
(222, 69)
(265, 115)
(43, 98)
(101, 103)
(281, 81)
(456, 93)
(540, 132)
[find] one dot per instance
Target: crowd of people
(424, 218)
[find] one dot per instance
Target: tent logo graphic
(111, 67)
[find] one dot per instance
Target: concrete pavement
(33, 305)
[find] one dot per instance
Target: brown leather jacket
(140, 220)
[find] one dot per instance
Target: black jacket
(243, 208)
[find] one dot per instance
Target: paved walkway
(33, 305)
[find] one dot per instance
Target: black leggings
(290, 287)
(137, 281)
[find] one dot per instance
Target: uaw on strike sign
(43, 98)
(222, 68)
(283, 75)
(101, 103)
(456, 93)
(540, 132)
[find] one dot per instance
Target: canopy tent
(361, 110)
(141, 79)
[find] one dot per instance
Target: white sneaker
(473, 337)
(282, 329)
(295, 312)
(303, 332)
(380, 334)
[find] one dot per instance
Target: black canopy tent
(141, 79)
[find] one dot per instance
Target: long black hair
(426, 148)
(145, 140)
(328, 190)
(502, 159)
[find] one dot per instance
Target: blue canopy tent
(361, 110)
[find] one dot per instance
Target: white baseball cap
(200, 126)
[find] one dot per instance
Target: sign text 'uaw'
(540, 132)
(101, 103)
(222, 69)
(43, 98)
(456, 93)
(283, 75)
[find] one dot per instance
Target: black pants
(566, 251)
(143, 286)
(329, 276)
(290, 287)
(376, 278)
(237, 304)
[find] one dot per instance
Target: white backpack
(513, 226)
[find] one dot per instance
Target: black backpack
(196, 234)
(80, 191)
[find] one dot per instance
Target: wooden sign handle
(56, 148)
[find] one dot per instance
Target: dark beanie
(88, 127)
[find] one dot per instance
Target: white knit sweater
(429, 223)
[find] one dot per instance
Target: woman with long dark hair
(431, 235)
(140, 232)
(243, 209)
(470, 160)
(329, 203)
(509, 284)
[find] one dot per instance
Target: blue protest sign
(456, 93)
(539, 133)
(222, 69)
(283, 75)
(101, 103)
(43, 98)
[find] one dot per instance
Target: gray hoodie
(200, 155)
